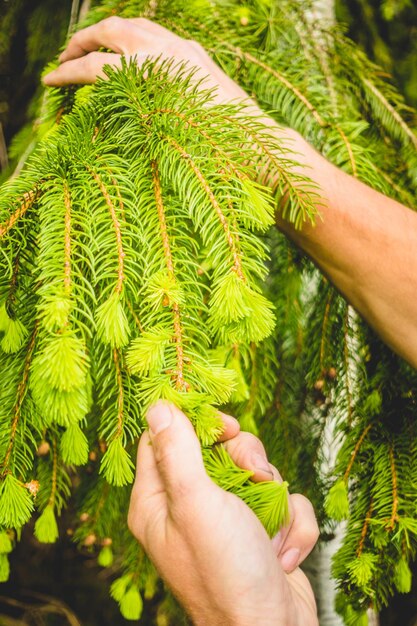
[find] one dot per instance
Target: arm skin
(365, 242)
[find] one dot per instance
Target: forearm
(366, 244)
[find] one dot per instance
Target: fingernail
(261, 464)
(47, 77)
(290, 558)
(159, 417)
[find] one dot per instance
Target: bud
(33, 487)
(90, 540)
(84, 517)
(332, 373)
(43, 448)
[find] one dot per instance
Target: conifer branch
(54, 475)
(275, 164)
(133, 314)
(237, 261)
(190, 122)
(365, 529)
(29, 198)
(67, 240)
(394, 514)
(346, 359)
(285, 81)
(324, 329)
(21, 392)
(120, 393)
(247, 56)
(117, 230)
(356, 450)
(349, 150)
(391, 109)
(179, 374)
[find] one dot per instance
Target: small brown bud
(332, 373)
(93, 455)
(70, 532)
(107, 541)
(43, 448)
(84, 517)
(102, 445)
(90, 540)
(33, 487)
(244, 20)
(165, 301)
(319, 384)
(200, 271)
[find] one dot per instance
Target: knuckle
(112, 23)
(249, 440)
(142, 22)
(91, 61)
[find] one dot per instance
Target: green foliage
(337, 502)
(46, 528)
(16, 504)
(138, 254)
(105, 557)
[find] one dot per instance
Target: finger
(302, 536)
(148, 491)
(153, 28)
(82, 71)
(231, 427)
(114, 33)
(248, 453)
(177, 452)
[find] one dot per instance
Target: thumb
(176, 449)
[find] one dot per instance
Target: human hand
(81, 61)
(206, 543)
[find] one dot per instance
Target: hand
(82, 63)
(206, 543)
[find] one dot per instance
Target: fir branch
(178, 334)
(395, 502)
(347, 362)
(67, 240)
(29, 199)
(391, 110)
(286, 82)
(54, 474)
(120, 395)
(349, 150)
(117, 230)
(364, 531)
(230, 238)
(20, 396)
(356, 449)
(324, 326)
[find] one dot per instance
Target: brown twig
(180, 382)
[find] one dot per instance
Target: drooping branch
(20, 396)
(178, 334)
(117, 230)
(237, 261)
(356, 450)
(28, 200)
